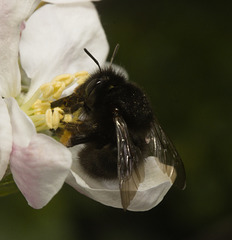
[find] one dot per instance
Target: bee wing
(162, 148)
(130, 173)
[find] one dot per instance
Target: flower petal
(12, 14)
(54, 38)
(40, 169)
(22, 127)
(5, 138)
(39, 164)
(155, 186)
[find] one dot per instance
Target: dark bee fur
(99, 156)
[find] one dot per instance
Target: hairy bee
(117, 125)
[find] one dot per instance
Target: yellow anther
(59, 88)
(53, 117)
(56, 117)
(68, 80)
(48, 118)
(47, 89)
(82, 76)
(62, 78)
(68, 118)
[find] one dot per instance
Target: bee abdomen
(99, 162)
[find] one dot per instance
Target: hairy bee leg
(64, 101)
(79, 140)
(69, 141)
(71, 138)
(74, 133)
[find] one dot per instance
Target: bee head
(107, 90)
(101, 81)
(99, 88)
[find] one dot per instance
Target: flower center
(38, 107)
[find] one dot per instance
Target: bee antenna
(93, 58)
(114, 54)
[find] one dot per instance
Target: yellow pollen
(53, 117)
(47, 90)
(68, 118)
(58, 90)
(38, 107)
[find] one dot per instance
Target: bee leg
(60, 102)
(69, 140)
(78, 133)
(80, 139)
(70, 103)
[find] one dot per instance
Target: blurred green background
(180, 53)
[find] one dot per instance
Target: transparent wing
(161, 147)
(130, 169)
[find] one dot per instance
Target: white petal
(68, 1)
(54, 39)
(12, 14)
(5, 138)
(153, 189)
(149, 194)
(39, 164)
(40, 169)
(22, 127)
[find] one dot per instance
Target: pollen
(53, 117)
(65, 137)
(38, 107)
(68, 118)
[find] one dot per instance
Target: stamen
(26, 106)
(38, 107)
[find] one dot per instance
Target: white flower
(50, 41)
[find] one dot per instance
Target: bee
(115, 122)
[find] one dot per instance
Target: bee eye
(91, 86)
(90, 92)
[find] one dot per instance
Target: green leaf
(7, 186)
